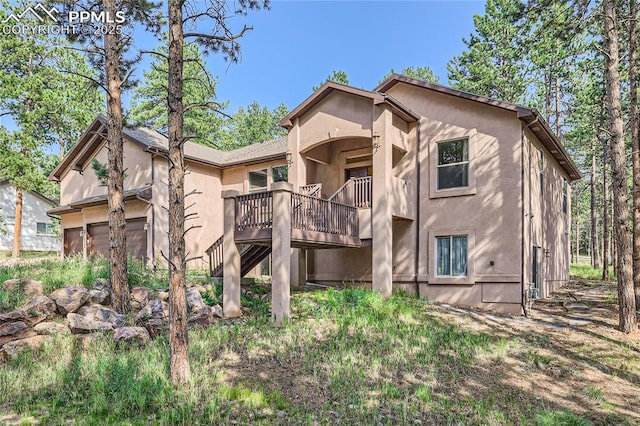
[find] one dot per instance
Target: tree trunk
(624, 261)
(595, 247)
(117, 224)
(179, 370)
(635, 142)
(17, 226)
(577, 240)
(605, 212)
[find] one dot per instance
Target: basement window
(451, 256)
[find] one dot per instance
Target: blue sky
(297, 44)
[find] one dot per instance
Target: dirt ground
(568, 353)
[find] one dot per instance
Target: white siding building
(38, 229)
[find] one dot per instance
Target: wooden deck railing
(355, 192)
(315, 214)
(254, 211)
(312, 190)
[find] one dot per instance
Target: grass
(587, 272)
(346, 357)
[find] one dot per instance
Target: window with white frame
(43, 228)
(451, 256)
(453, 164)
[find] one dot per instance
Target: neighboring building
(38, 231)
(414, 186)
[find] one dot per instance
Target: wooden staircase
(250, 254)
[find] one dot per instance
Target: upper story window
(565, 194)
(451, 256)
(453, 164)
(43, 228)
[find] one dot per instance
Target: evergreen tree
(419, 73)
(202, 121)
(255, 124)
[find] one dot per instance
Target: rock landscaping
(86, 314)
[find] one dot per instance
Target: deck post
(231, 258)
(281, 253)
(382, 218)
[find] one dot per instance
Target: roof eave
(544, 133)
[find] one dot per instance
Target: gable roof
(36, 193)
(155, 142)
(329, 87)
(530, 116)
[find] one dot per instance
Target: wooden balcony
(315, 222)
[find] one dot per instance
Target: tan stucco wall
(75, 185)
(548, 227)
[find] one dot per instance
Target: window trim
(453, 135)
(432, 266)
(450, 238)
(459, 163)
(541, 164)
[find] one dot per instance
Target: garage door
(72, 241)
(98, 240)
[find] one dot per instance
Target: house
(83, 196)
(38, 231)
(415, 186)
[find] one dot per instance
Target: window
(280, 173)
(258, 180)
(44, 228)
(451, 256)
(453, 164)
(564, 195)
(541, 172)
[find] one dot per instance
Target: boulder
(102, 297)
(140, 297)
(49, 328)
(30, 318)
(216, 310)
(101, 313)
(154, 317)
(163, 295)
(14, 331)
(11, 349)
(69, 299)
(195, 304)
(156, 327)
(42, 305)
(131, 334)
(203, 320)
(79, 324)
(11, 285)
(155, 309)
(102, 284)
(29, 287)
